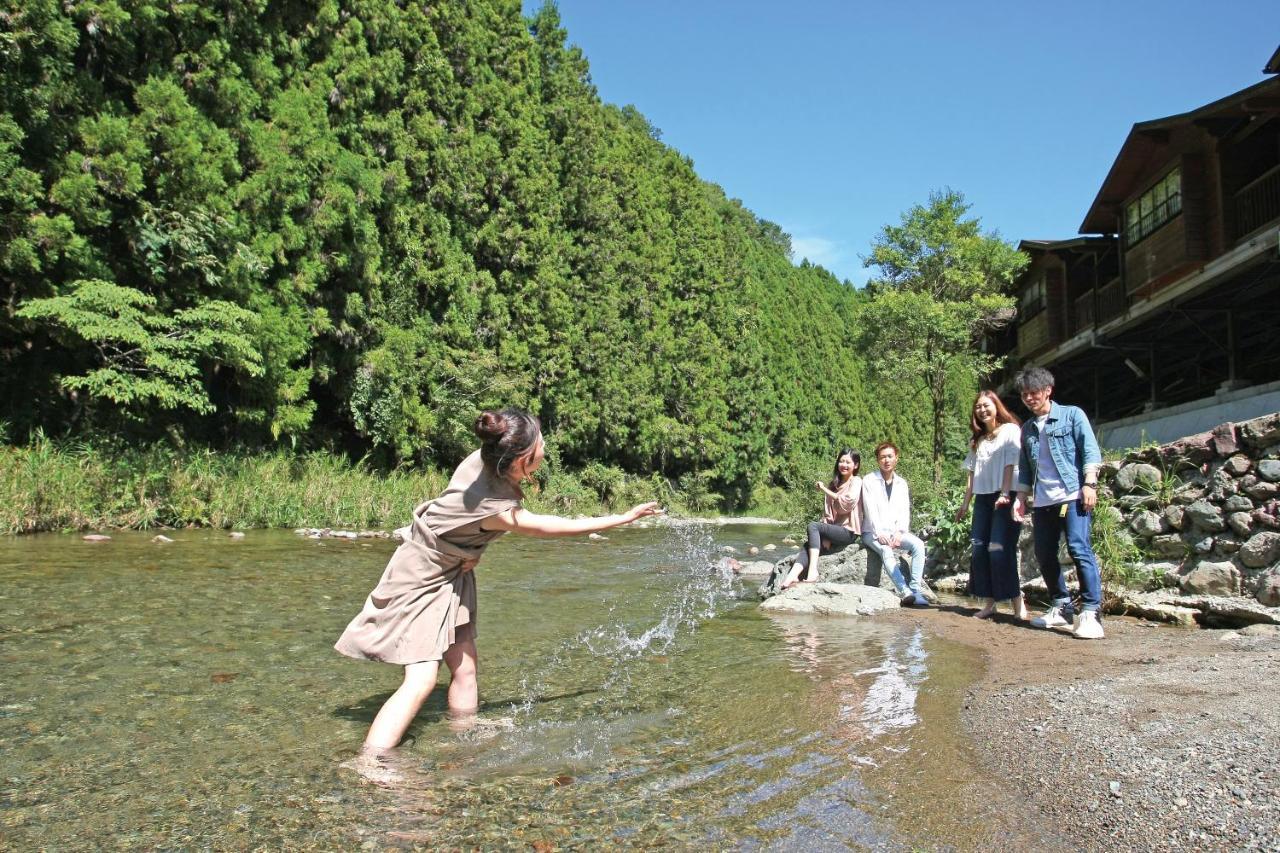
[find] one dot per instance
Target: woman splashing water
(423, 610)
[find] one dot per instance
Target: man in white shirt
(886, 523)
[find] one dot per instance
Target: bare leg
(464, 690)
(988, 609)
(1020, 611)
(793, 576)
(813, 565)
(399, 710)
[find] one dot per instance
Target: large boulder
(854, 564)
(832, 599)
(1211, 578)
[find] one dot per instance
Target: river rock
(1269, 470)
(1201, 545)
(1226, 544)
(1240, 522)
(1262, 490)
(1209, 578)
(1148, 524)
(1170, 545)
(1138, 476)
(1261, 550)
(1262, 431)
(235, 534)
(854, 564)
(770, 547)
(1150, 606)
(728, 564)
(596, 537)
(1267, 588)
(1206, 516)
(1237, 503)
(832, 599)
(958, 584)
(160, 539)
(1175, 515)
(728, 549)
(1238, 465)
(754, 568)
(96, 537)
(752, 551)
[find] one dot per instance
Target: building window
(1031, 300)
(1154, 207)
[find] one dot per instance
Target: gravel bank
(1155, 738)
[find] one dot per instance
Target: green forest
(345, 228)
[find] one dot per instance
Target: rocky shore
(1157, 738)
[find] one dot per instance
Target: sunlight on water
(187, 695)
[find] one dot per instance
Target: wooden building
(1163, 319)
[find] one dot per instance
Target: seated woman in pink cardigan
(841, 519)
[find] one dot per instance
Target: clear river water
(186, 696)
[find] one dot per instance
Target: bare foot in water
(375, 766)
(469, 722)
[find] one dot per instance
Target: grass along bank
(48, 485)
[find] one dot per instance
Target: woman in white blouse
(993, 472)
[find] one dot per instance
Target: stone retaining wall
(1205, 510)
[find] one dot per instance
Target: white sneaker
(1088, 627)
(919, 600)
(1051, 619)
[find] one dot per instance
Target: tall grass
(51, 486)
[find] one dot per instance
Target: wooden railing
(1083, 313)
(1112, 301)
(1257, 202)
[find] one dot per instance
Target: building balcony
(1257, 203)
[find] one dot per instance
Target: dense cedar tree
(352, 225)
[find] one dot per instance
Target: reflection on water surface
(187, 695)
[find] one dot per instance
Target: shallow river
(186, 695)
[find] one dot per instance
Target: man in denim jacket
(1060, 462)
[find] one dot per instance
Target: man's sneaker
(1051, 619)
(918, 600)
(1088, 627)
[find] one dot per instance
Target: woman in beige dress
(423, 610)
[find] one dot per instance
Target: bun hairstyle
(505, 436)
(857, 465)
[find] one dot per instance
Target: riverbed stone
(1169, 545)
(1240, 522)
(1269, 470)
(1237, 503)
(1261, 550)
(1206, 516)
(1201, 545)
(1138, 476)
(832, 599)
(1148, 524)
(1175, 515)
(1262, 431)
(1226, 544)
(755, 569)
(1238, 465)
(1267, 588)
(1212, 578)
(1263, 491)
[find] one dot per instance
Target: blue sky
(831, 118)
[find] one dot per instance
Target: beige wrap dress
(424, 597)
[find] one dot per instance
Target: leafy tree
(941, 281)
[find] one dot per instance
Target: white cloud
(819, 250)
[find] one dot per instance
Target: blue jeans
(1049, 525)
(910, 545)
(993, 563)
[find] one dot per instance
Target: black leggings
(838, 538)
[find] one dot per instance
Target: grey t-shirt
(1050, 490)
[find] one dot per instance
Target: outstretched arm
(518, 520)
